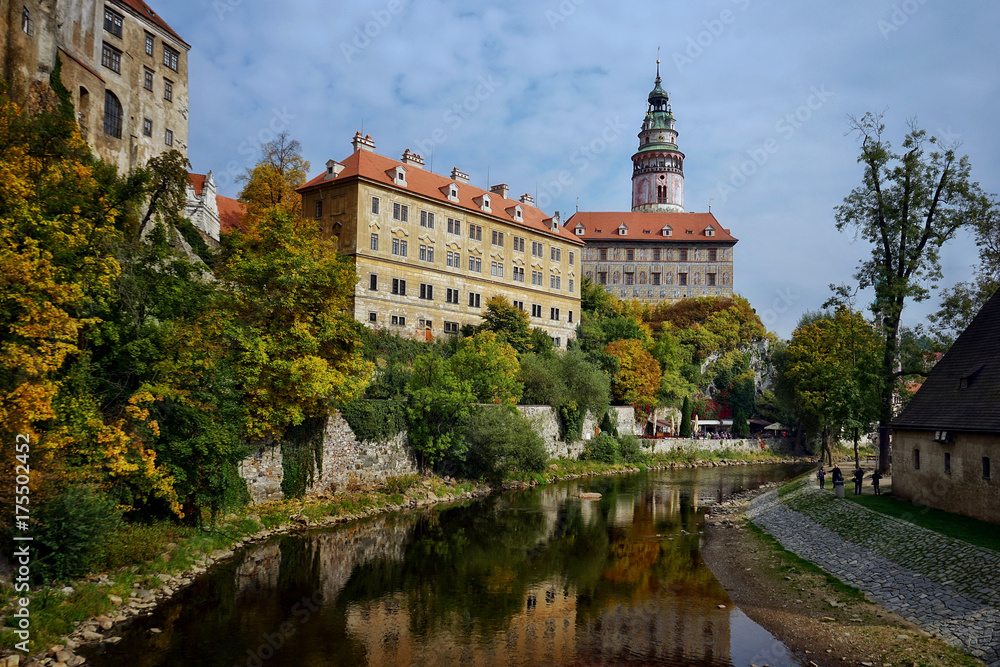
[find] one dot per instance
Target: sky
(548, 97)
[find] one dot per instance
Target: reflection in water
(535, 577)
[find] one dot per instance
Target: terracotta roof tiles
(685, 227)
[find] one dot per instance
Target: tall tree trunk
(825, 452)
(857, 455)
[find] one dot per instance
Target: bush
(72, 532)
(375, 420)
(630, 450)
(501, 441)
(603, 448)
(400, 484)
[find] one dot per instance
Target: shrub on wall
(500, 441)
(375, 419)
(301, 456)
(603, 448)
(630, 450)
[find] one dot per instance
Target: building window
(555, 254)
(682, 279)
(536, 277)
(536, 249)
(710, 278)
(916, 459)
(399, 287)
(373, 282)
(398, 320)
(661, 194)
(426, 253)
(113, 22)
(474, 300)
(374, 242)
(656, 254)
(518, 274)
(496, 269)
(319, 208)
(168, 138)
(149, 44)
(170, 57)
(519, 305)
(570, 318)
(683, 254)
(986, 467)
(947, 463)
(454, 226)
(427, 220)
(602, 278)
(655, 278)
(451, 327)
(426, 291)
(147, 127)
(111, 58)
(475, 264)
(112, 115)
(536, 310)
(476, 232)
(372, 317)
(554, 314)
(147, 82)
(497, 238)
(399, 247)
(168, 90)
(630, 255)
(400, 212)
(519, 243)
(629, 278)
(570, 285)
(452, 259)
(712, 254)
(27, 25)
(451, 295)
(555, 282)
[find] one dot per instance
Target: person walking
(821, 476)
(859, 475)
(876, 476)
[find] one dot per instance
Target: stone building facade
(125, 67)
(657, 253)
(431, 250)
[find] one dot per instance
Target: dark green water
(530, 578)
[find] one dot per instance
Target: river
(535, 577)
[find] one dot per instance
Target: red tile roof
(685, 227)
(231, 213)
(372, 166)
(197, 182)
(146, 12)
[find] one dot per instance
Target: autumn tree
(638, 378)
(271, 183)
(508, 322)
(490, 366)
(908, 206)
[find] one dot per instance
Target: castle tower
(658, 166)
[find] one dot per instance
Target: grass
(960, 527)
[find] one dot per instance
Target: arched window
(112, 115)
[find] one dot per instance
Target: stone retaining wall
(664, 445)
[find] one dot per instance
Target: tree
(271, 183)
(568, 382)
(490, 367)
(638, 376)
(907, 207)
(439, 402)
(508, 322)
(686, 418)
(741, 428)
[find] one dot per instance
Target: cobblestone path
(946, 586)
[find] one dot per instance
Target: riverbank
(822, 619)
(88, 611)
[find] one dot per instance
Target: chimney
(527, 199)
(458, 175)
(365, 143)
(412, 159)
(333, 169)
(556, 221)
(500, 189)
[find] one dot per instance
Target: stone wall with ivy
(546, 422)
(262, 471)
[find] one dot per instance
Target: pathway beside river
(943, 585)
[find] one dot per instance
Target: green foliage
(301, 456)
(686, 418)
(741, 428)
(375, 420)
(603, 448)
(489, 366)
(501, 442)
(630, 450)
(71, 532)
(400, 484)
(439, 402)
(570, 383)
(509, 323)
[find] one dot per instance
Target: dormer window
(623, 230)
(579, 229)
(398, 176)
(483, 201)
(450, 191)
(710, 231)
(516, 212)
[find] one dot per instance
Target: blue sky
(549, 96)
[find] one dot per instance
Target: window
(27, 25)
(571, 258)
(112, 115)
(536, 277)
(497, 238)
(426, 291)
(113, 22)
(554, 314)
(570, 285)
(519, 305)
(682, 279)
(536, 310)
(629, 278)
(149, 44)
(474, 300)
(147, 127)
(374, 205)
(554, 282)
(170, 57)
(947, 463)
(475, 264)
(398, 320)
(712, 254)
(427, 220)
(453, 259)
(518, 274)
(555, 254)
(454, 226)
(319, 208)
(400, 212)
(986, 467)
(168, 90)
(656, 254)
(684, 254)
(399, 286)
(476, 232)
(374, 242)
(655, 278)
(168, 138)
(630, 255)
(916, 459)
(147, 82)
(710, 277)
(602, 254)
(399, 247)
(602, 278)
(519, 243)
(451, 327)
(536, 249)
(570, 318)
(372, 317)
(496, 269)
(111, 58)
(426, 253)
(451, 295)
(557, 341)
(373, 282)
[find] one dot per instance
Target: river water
(538, 577)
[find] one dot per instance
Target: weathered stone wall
(545, 420)
(664, 445)
(263, 473)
